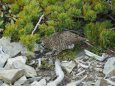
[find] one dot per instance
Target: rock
(3, 57)
(76, 83)
(11, 49)
(87, 83)
(71, 84)
(42, 82)
(29, 71)
(21, 80)
(68, 65)
(51, 83)
(10, 61)
(111, 75)
(4, 84)
(101, 82)
(47, 78)
(109, 66)
(1, 82)
(35, 83)
(15, 48)
(30, 80)
(17, 84)
(10, 76)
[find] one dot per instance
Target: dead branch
(38, 23)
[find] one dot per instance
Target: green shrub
(23, 27)
(91, 17)
(99, 34)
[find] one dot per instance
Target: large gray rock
(10, 61)
(29, 71)
(9, 48)
(10, 76)
(3, 57)
(109, 66)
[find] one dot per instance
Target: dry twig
(37, 24)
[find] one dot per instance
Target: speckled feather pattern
(62, 40)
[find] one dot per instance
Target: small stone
(10, 76)
(68, 65)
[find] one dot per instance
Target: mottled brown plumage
(62, 40)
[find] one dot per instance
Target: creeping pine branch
(37, 24)
(59, 73)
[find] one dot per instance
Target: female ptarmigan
(61, 41)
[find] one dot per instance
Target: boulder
(29, 71)
(10, 61)
(11, 48)
(10, 76)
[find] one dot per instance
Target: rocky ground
(87, 69)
